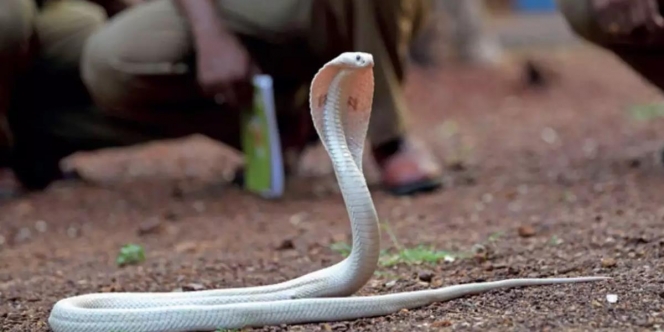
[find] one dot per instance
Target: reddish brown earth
(560, 181)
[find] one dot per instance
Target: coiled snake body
(341, 99)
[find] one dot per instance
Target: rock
(41, 226)
(609, 262)
(24, 234)
(199, 206)
(425, 276)
(634, 163)
(14, 317)
(390, 284)
(150, 226)
(188, 247)
(298, 218)
(286, 245)
(33, 298)
(526, 231)
(177, 192)
(73, 232)
(171, 216)
(340, 327)
(193, 287)
(441, 323)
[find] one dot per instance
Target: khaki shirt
(280, 18)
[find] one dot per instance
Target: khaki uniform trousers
(140, 66)
(60, 29)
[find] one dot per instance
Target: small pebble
(612, 298)
(390, 284)
(425, 276)
(549, 135)
(199, 206)
(286, 245)
(193, 287)
(171, 216)
(441, 323)
(22, 235)
(73, 232)
(188, 247)
(608, 262)
(149, 226)
(526, 231)
(41, 226)
(297, 218)
(340, 327)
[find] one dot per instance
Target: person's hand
(225, 70)
(624, 16)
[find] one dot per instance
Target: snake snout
(358, 60)
(364, 60)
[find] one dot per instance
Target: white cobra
(341, 100)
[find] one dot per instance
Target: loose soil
(556, 181)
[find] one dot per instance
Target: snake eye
(358, 58)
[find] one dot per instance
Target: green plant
(342, 248)
(130, 254)
(402, 255)
(415, 256)
(495, 236)
(555, 241)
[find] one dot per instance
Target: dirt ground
(559, 181)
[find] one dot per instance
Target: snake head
(354, 60)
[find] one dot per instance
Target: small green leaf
(130, 254)
(342, 248)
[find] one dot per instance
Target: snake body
(341, 100)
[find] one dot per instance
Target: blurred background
(551, 154)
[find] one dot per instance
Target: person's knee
(101, 78)
(124, 62)
(16, 17)
(65, 26)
